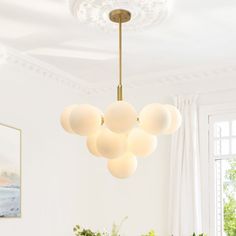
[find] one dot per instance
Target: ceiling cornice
(169, 78)
(205, 73)
(45, 70)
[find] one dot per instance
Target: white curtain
(185, 197)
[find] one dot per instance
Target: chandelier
(121, 135)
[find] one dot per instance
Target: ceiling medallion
(144, 12)
(121, 135)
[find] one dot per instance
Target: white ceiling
(198, 34)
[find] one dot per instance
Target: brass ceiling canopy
(120, 16)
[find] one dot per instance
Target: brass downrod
(120, 16)
(119, 88)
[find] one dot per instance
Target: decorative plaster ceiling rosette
(144, 12)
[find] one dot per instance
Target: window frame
(212, 120)
(207, 162)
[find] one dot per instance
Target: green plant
(116, 228)
(229, 200)
(86, 232)
(150, 233)
(194, 234)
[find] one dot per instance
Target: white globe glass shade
(155, 118)
(85, 119)
(176, 119)
(141, 143)
(65, 118)
(120, 117)
(111, 145)
(123, 167)
(92, 144)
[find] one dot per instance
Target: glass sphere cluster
(121, 135)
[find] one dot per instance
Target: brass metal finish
(119, 93)
(119, 89)
(102, 120)
(120, 15)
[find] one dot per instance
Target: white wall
(62, 184)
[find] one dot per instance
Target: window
(222, 142)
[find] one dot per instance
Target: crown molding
(151, 79)
(12, 56)
(200, 73)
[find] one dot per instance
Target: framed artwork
(10, 171)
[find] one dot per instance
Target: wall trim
(50, 72)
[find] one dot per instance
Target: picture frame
(10, 171)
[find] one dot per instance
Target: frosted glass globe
(120, 117)
(123, 167)
(141, 143)
(92, 144)
(176, 120)
(65, 118)
(85, 119)
(155, 118)
(111, 145)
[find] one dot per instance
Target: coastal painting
(10, 171)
